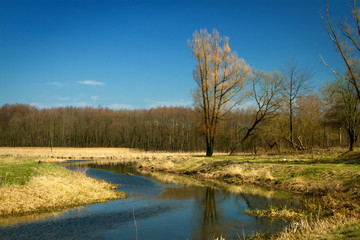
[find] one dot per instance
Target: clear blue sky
(134, 54)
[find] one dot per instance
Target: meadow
(328, 179)
(29, 185)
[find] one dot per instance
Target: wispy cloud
(39, 105)
(94, 98)
(171, 103)
(62, 104)
(59, 84)
(72, 104)
(91, 83)
(80, 104)
(118, 106)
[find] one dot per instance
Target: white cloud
(79, 104)
(39, 105)
(62, 104)
(71, 104)
(171, 103)
(118, 106)
(91, 83)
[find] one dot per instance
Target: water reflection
(8, 221)
(87, 226)
(216, 208)
(210, 214)
(166, 206)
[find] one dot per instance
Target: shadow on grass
(351, 158)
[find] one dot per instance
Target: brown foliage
(160, 129)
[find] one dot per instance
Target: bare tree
(220, 76)
(340, 96)
(295, 84)
(266, 92)
(346, 39)
(309, 119)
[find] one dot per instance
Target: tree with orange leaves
(220, 76)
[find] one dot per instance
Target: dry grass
(55, 154)
(250, 172)
(310, 173)
(317, 229)
(326, 174)
(48, 188)
(49, 193)
(63, 152)
(275, 213)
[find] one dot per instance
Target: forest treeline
(167, 128)
(283, 113)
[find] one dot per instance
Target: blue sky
(134, 54)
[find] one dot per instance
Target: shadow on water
(166, 206)
(81, 227)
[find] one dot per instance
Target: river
(158, 206)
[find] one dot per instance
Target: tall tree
(341, 97)
(295, 84)
(220, 76)
(346, 39)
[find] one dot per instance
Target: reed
(321, 228)
(283, 213)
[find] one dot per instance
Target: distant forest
(167, 128)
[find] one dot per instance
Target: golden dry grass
(48, 193)
(317, 229)
(322, 173)
(55, 154)
(303, 173)
(47, 188)
(284, 213)
(124, 154)
(250, 172)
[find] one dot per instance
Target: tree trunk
(248, 132)
(210, 146)
(351, 140)
(291, 129)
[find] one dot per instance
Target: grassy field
(18, 171)
(27, 186)
(329, 179)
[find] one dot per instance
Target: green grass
(18, 171)
(309, 173)
(350, 231)
(28, 187)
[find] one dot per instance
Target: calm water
(165, 207)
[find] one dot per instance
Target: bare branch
(343, 45)
(220, 76)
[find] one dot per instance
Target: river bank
(31, 186)
(330, 181)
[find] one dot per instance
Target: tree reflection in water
(204, 210)
(210, 213)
